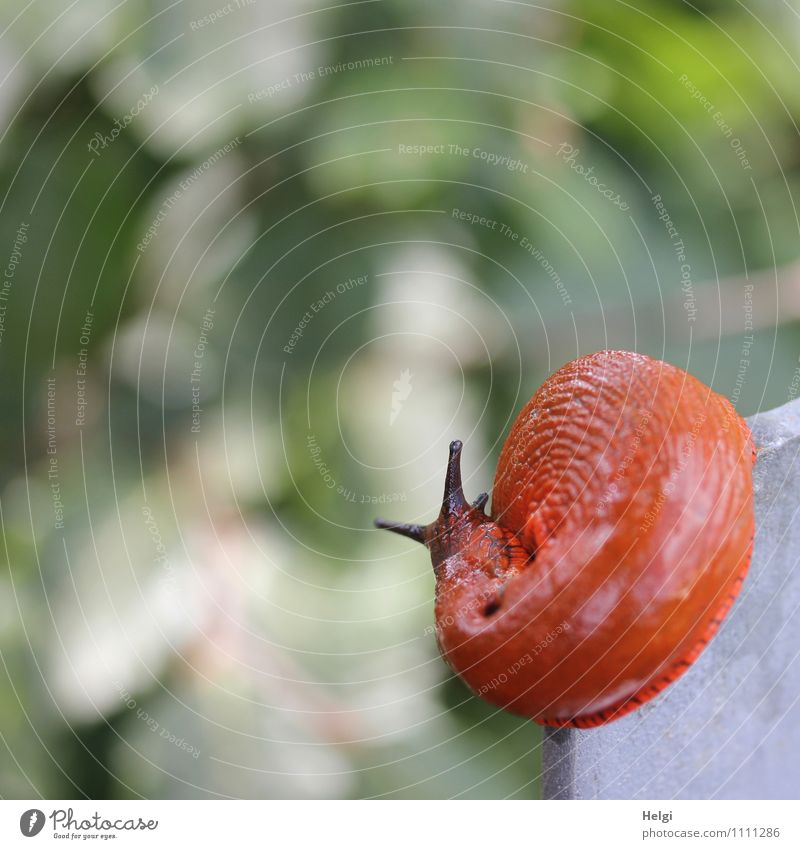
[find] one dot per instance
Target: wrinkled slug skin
(624, 525)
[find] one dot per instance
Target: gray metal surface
(730, 727)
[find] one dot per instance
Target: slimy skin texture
(620, 533)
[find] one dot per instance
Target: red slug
(620, 533)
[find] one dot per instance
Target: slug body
(620, 533)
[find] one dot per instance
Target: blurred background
(262, 260)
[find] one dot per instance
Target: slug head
(463, 539)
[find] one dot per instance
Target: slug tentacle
(415, 532)
(454, 506)
(454, 502)
(481, 501)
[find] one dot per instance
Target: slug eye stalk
(453, 502)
